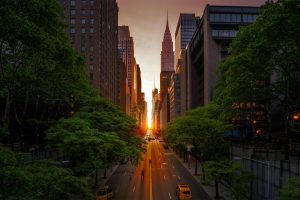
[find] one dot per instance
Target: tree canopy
(263, 67)
(22, 178)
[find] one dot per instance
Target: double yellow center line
(150, 167)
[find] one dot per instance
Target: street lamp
(296, 117)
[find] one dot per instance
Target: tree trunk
(203, 173)
(217, 189)
(96, 178)
(104, 175)
(25, 104)
(7, 109)
(196, 166)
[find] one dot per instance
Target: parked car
(183, 192)
(104, 193)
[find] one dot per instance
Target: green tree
(291, 191)
(34, 53)
(263, 65)
(22, 178)
(202, 129)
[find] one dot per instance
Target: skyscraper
(167, 69)
(93, 32)
(125, 43)
(185, 29)
(219, 25)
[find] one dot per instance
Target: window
(91, 67)
(73, 3)
(91, 30)
(224, 33)
(92, 2)
(92, 21)
(83, 21)
(91, 48)
(72, 30)
(236, 18)
(72, 21)
(83, 48)
(249, 18)
(83, 30)
(83, 2)
(73, 12)
(72, 39)
(83, 12)
(92, 12)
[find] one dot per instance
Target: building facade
(174, 92)
(93, 32)
(209, 45)
(125, 43)
(122, 82)
(167, 69)
(155, 115)
(185, 29)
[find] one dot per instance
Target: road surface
(161, 175)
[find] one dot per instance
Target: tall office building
(155, 115)
(185, 29)
(174, 92)
(125, 43)
(122, 82)
(93, 31)
(209, 45)
(167, 69)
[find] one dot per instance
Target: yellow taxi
(104, 193)
(183, 192)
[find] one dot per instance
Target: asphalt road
(161, 175)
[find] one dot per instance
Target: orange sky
(147, 20)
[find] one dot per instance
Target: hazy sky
(147, 20)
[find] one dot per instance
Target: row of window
(83, 30)
(83, 2)
(83, 49)
(233, 18)
(224, 33)
(83, 21)
(83, 12)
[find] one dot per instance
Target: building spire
(168, 17)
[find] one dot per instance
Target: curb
(207, 189)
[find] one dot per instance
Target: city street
(162, 174)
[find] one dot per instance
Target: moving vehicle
(104, 193)
(183, 192)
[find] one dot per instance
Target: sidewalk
(109, 172)
(209, 189)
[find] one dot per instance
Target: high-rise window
(73, 12)
(91, 48)
(73, 3)
(72, 30)
(83, 48)
(92, 12)
(91, 67)
(91, 30)
(83, 21)
(83, 2)
(91, 21)
(83, 30)
(92, 2)
(83, 12)
(72, 21)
